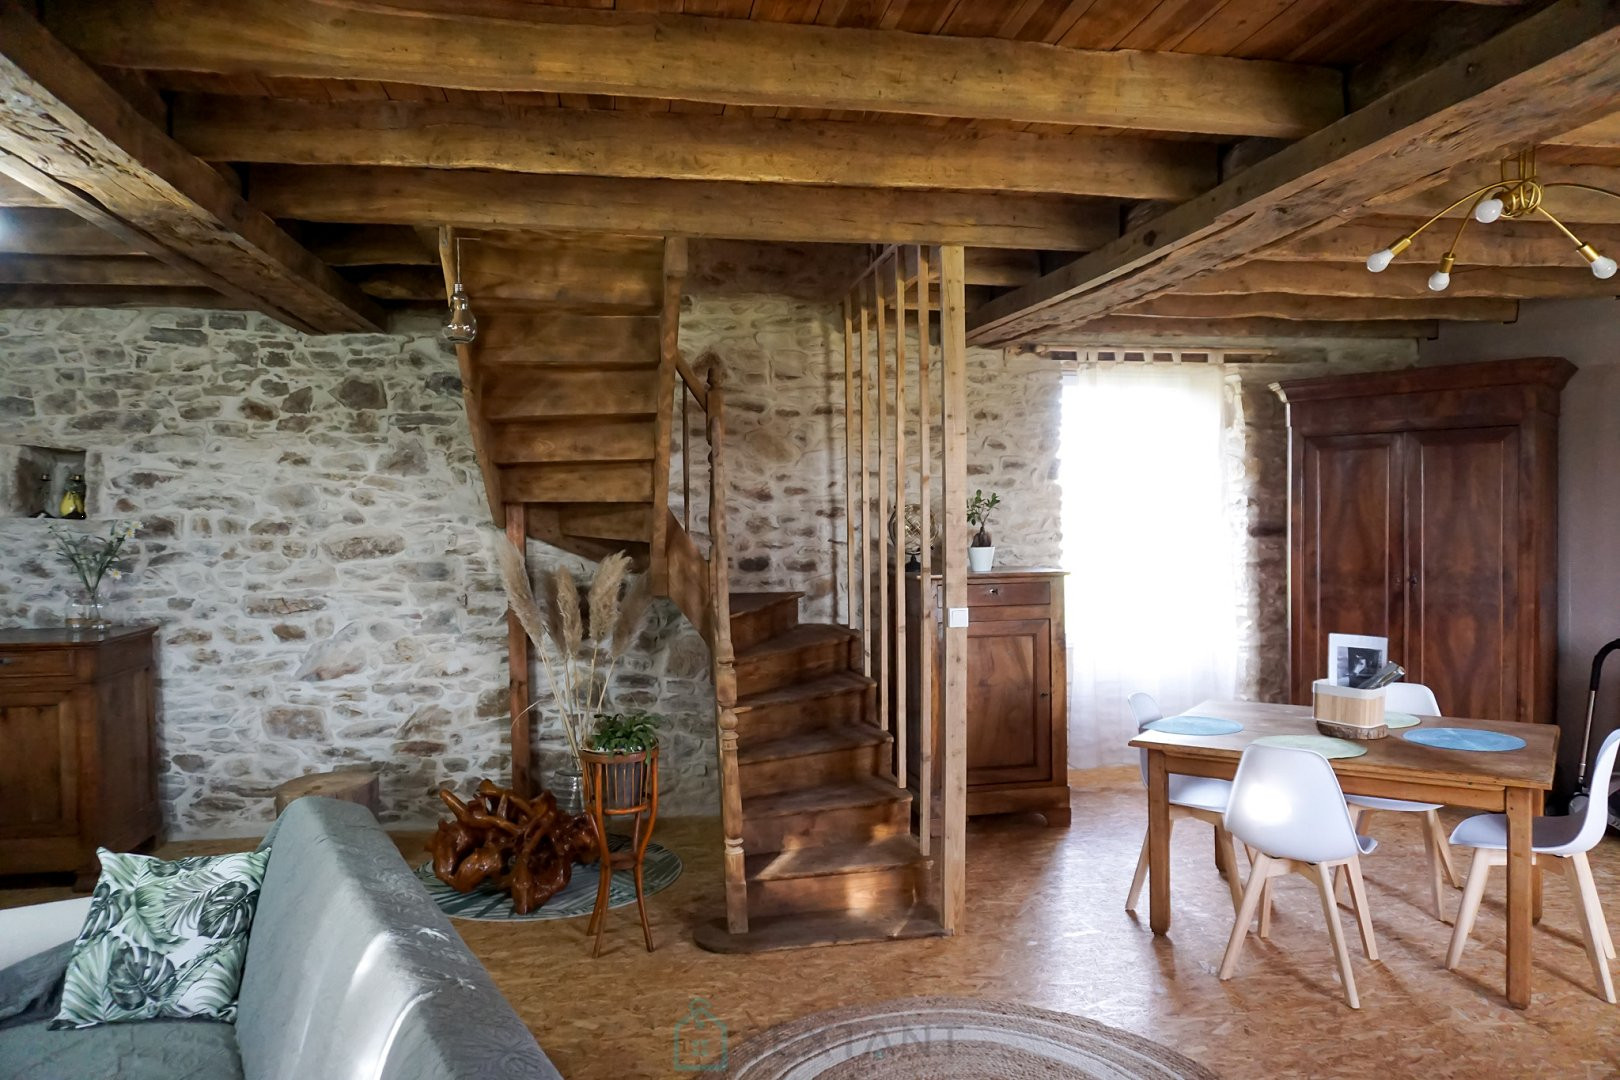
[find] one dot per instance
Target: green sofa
(352, 974)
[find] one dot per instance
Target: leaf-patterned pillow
(162, 939)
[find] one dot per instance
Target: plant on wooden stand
(982, 549)
(579, 640)
(629, 735)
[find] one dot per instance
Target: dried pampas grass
(602, 599)
(570, 620)
(632, 613)
(519, 593)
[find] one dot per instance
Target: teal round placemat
(1195, 725)
(578, 897)
(1325, 745)
(1459, 738)
(1397, 720)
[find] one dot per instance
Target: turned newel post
(725, 665)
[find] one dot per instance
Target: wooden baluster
(953, 355)
(866, 501)
(849, 460)
(686, 460)
(725, 665)
(925, 574)
(885, 659)
(899, 679)
(517, 661)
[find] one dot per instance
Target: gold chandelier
(1516, 194)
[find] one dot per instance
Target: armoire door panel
(1010, 701)
(1352, 552)
(1463, 529)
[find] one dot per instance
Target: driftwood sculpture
(523, 847)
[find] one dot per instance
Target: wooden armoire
(1423, 507)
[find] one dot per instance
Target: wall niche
(33, 479)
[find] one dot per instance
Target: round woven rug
(946, 1038)
(661, 869)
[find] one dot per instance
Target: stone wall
(313, 544)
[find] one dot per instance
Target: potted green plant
(982, 549)
(627, 745)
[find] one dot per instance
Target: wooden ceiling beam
(520, 47)
(1131, 329)
(688, 146)
(469, 199)
(1502, 243)
(110, 296)
(80, 270)
(1573, 206)
(15, 195)
(1324, 308)
(65, 133)
(1399, 282)
(1604, 132)
(368, 245)
(1556, 68)
(56, 232)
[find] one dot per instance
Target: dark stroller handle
(1597, 663)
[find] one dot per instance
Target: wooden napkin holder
(1347, 713)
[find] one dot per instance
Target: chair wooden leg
(1265, 912)
(1579, 872)
(1140, 878)
(1234, 880)
(1358, 897)
(1469, 908)
(1259, 875)
(1432, 849)
(1443, 843)
(1330, 909)
(1223, 865)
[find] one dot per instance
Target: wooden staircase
(574, 388)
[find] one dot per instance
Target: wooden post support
(866, 503)
(898, 680)
(725, 665)
(517, 663)
(849, 474)
(925, 575)
(885, 660)
(953, 349)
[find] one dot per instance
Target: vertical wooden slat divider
(866, 496)
(885, 614)
(686, 460)
(517, 661)
(953, 353)
(725, 663)
(900, 470)
(849, 494)
(925, 575)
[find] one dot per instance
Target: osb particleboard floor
(1046, 926)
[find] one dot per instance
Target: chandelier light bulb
(1604, 267)
(1438, 281)
(1379, 261)
(1488, 210)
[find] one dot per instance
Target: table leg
(1158, 843)
(1520, 811)
(1537, 807)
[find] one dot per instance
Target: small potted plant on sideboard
(982, 549)
(626, 745)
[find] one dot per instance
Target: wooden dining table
(1514, 782)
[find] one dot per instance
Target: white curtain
(1149, 603)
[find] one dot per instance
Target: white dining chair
(1199, 797)
(1419, 700)
(1566, 838)
(1287, 806)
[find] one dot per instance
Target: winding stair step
(808, 651)
(756, 616)
(844, 697)
(881, 876)
(847, 812)
(774, 933)
(810, 758)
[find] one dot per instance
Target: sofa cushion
(162, 939)
(353, 971)
(31, 989)
(154, 1050)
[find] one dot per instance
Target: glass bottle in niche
(73, 498)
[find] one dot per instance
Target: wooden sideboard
(77, 748)
(1017, 682)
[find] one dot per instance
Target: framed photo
(1354, 657)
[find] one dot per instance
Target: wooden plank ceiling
(1170, 168)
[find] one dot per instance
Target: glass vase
(568, 785)
(86, 612)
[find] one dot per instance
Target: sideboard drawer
(35, 662)
(1009, 593)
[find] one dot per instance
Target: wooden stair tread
(776, 932)
(746, 603)
(805, 635)
(841, 682)
(825, 740)
(867, 791)
(890, 853)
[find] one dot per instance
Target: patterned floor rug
(954, 1039)
(661, 869)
